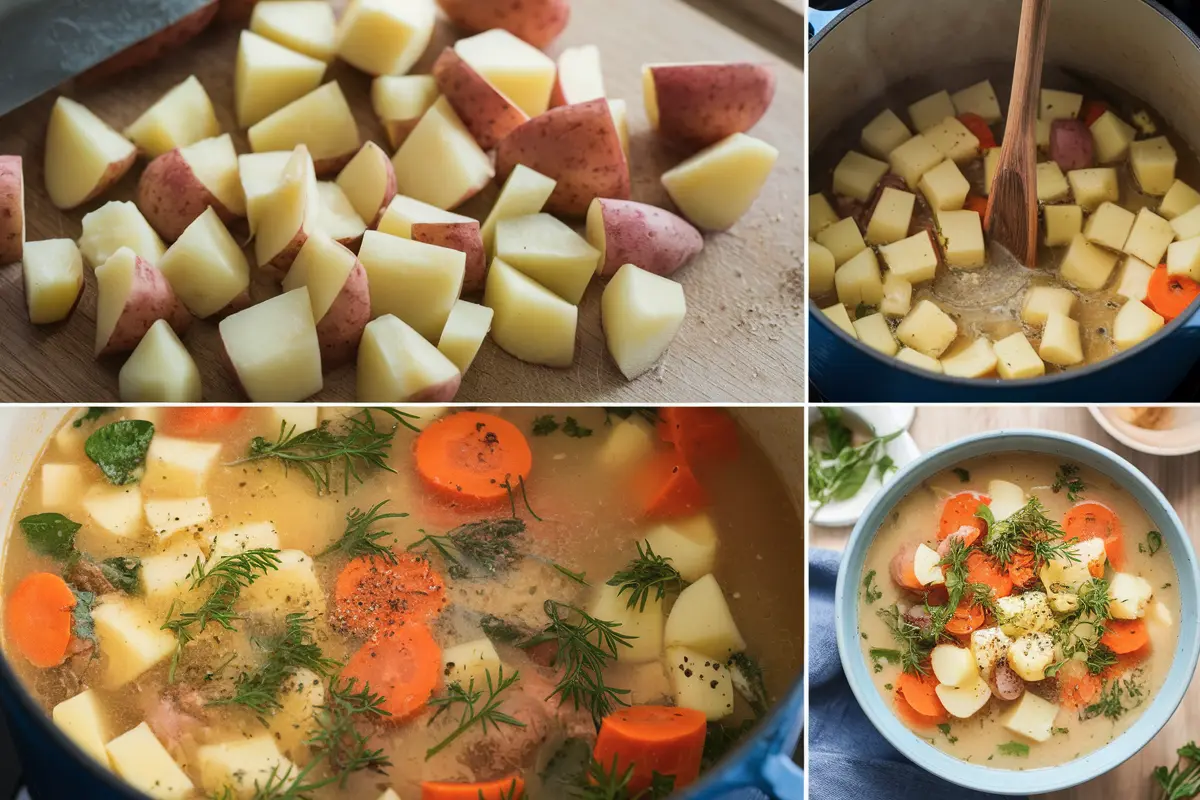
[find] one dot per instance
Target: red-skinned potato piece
(12, 210)
(701, 104)
(487, 113)
(579, 147)
(462, 236)
(152, 48)
(171, 192)
(340, 296)
(647, 236)
(580, 77)
(132, 295)
(369, 183)
(538, 22)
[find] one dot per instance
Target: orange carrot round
(701, 434)
(911, 716)
(1077, 687)
(473, 459)
(918, 692)
(403, 666)
(1125, 635)
(668, 487)
(373, 596)
(982, 568)
(663, 739)
(959, 512)
(1170, 295)
(197, 420)
(966, 618)
(502, 789)
(1094, 520)
(38, 616)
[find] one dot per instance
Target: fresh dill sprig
(648, 572)
(1113, 696)
(602, 782)
(487, 714)
(358, 538)
(1068, 478)
(1028, 529)
(491, 544)
(915, 644)
(338, 737)
(1183, 780)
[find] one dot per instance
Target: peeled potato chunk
(114, 225)
(242, 764)
(954, 666)
(160, 370)
(401, 101)
(140, 758)
(260, 175)
(700, 682)
(289, 213)
(397, 365)
(53, 274)
(206, 267)
(369, 183)
(268, 76)
(419, 283)
(641, 313)
(306, 26)
(1031, 654)
(321, 120)
(700, 619)
(549, 252)
(1134, 323)
(525, 192)
(530, 322)
(181, 117)
(274, 350)
(440, 163)
(84, 156)
(717, 186)
(964, 701)
(690, 543)
(466, 328)
(384, 37)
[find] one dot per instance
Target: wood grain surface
(742, 340)
(1177, 478)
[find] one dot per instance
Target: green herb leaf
(50, 534)
(91, 415)
(1067, 478)
(880, 654)
(492, 544)
(544, 425)
(338, 735)
(839, 472)
(473, 714)
(123, 572)
(82, 625)
(1183, 780)
(573, 429)
(871, 593)
(840, 436)
(1019, 749)
(1154, 542)
(503, 631)
(945, 729)
(747, 677)
(359, 539)
(119, 449)
(578, 577)
(963, 475)
(648, 572)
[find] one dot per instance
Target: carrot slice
(403, 666)
(701, 434)
(1021, 568)
(982, 568)
(1126, 662)
(669, 487)
(918, 691)
(38, 615)
(902, 568)
(978, 126)
(914, 718)
(502, 789)
(976, 203)
(1096, 521)
(966, 618)
(1125, 635)
(373, 596)
(1170, 295)
(663, 739)
(1092, 110)
(473, 459)
(1077, 687)
(197, 420)
(959, 512)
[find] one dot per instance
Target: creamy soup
(1028, 639)
(472, 605)
(901, 262)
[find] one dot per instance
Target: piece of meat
(1007, 683)
(917, 615)
(88, 577)
(176, 714)
(965, 532)
(1047, 689)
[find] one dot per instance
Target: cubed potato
(1109, 226)
(301, 695)
(170, 516)
(249, 536)
(52, 271)
(179, 467)
(417, 282)
(1064, 573)
(821, 214)
(400, 101)
(843, 239)
(629, 442)
(913, 159)
(1063, 224)
(398, 365)
(1134, 323)
(884, 134)
(897, 295)
(1134, 281)
(182, 116)
(646, 624)
(287, 215)
(979, 98)
(857, 176)
(1187, 224)
(973, 361)
(269, 76)
(1017, 359)
(962, 238)
(548, 251)
(1180, 199)
(716, 187)
(62, 485)
(321, 120)
(1129, 596)
(839, 316)
(892, 214)
(306, 26)
(166, 577)
(520, 71)
(1092, 187)
(1007, 498)
(874, 332)
(274, 350)
(1159, 615)
(82, 719)
(525, 192)
(953, 665)
(1040, 301)
(242, 765)
(261, 175)
(927, 566)
(1153, 162)
(991, 160)
(858, 280)
(140, 759)
(927, 329)
(1026, 613)
(206, 266)
(964, 701)
(641, 313)
(1030, 654)
(821, 267)
(1150, 237)
(1183, 257)
(1087, 266)
(1060, 341)
(297, 419)
(989, 646)
(690, 544)
(466, 328)
(116, 509)
(339, 220)
(1032, 717)
(337, 288)
(700, 682)
(531, 322)
(411, 219)
(131, 640)
(293, 588)
(701, 620)
(911, 357)
(114, 225)
(953, 140)
(440, 163)
(945, 187)
(1112, 136)
(1054, 104)
(929, 111)
(912, 259)
(84, 156)
(384, 38)
(472, 661)
(160, 370)
(1052, 185)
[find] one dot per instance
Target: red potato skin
(538, 22)
(487, 113)
(463, 236)
(151, 49)
(341, 329)
(440, 393)
(647, 236)
(701, 104)
(12, 210)
(578, 146)
(171, 196)
(150, 299)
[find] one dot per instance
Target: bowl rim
(1124, 438)
(1152, 718)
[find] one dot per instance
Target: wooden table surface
(742, 340)
(1177, 478)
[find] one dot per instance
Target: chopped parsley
(945, 729)
(1014, 749)
(1153, 544)
(1116, 697)
(573, 429)
(871, 592)
(1068, 478)
(963, 475)
(879, 654)
(544, 425)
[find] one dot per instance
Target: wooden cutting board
(742, 340)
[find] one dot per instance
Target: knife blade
(46, 42)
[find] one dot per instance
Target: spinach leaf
(119, 449)
(50, 534)
(544, 425)
(1014, 749)
(123, 572)
(82, 625)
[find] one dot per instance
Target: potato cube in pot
(700, 682)
(859, 281)
(1130, 595)
(1094, 186)
(892, 214)
(116, 510)
(62, 485)
(291, 588)
(1063, 224)
(1041, 134)
(1187, 224)
(964, 701)
(241, 765)
(1040, 301)
(989, 646)
(301, 694)
(1159, 615)
(839, 316)
(165, 577)
(953, 140)
(821, 267)
(629, 441)
(953, 665)
(690, 543)
(1087, 266)
(913, 259)
(466, 328)
(82, 719)
(911, 357)
(856, 176)
(398, 365)
(843, 239)
(884, 134)
(274, 350)
(531, 322)
(472, 661)
(52, 271)
(1025, 613)
(945, 187)
(114, 225)
(248, 536)
(913, 159)
(641, 313)
(168, 517)
(1150, 237)
(1112, 136)
(179, 467)
(980, 99)
(973, 361)
(1017, 359)
(644, 623)
(1108, 226)
(160, 370)
(182, 116)
(927, 329)
(962, 238)
(131, 639)
(1051, 183)
(1183, 257)
(1031, 654)
(1180, 199)
(1134, 281)
(139, 757)
(991, 160)
(897, 295)
(548, 251)
(1153, 162)
(874, 332)
(1135, 322)
(820, 213)
(1060, 341)
(930, 111)
(1032, 717)
(701, 620)
(1054, 104)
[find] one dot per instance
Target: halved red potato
(12, 209)
(580, 77)
(132, 294)
(341, 300)
(397, 365)
(321, 120)
(538, 22)
(155, 46)
(272, 349)
(440, 163)
(523, 74)
(178, 186)
(182, 116)
(701, 104)
(488, 114)
(207, 268)
(653, 238)
(369, 183)
(289, 214)
(421, 222)
(84, 156)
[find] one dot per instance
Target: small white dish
(903, 450)
(1180, 439)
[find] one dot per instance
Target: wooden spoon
(1011, 219)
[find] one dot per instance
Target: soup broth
(489, 586)
(1079, 692)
